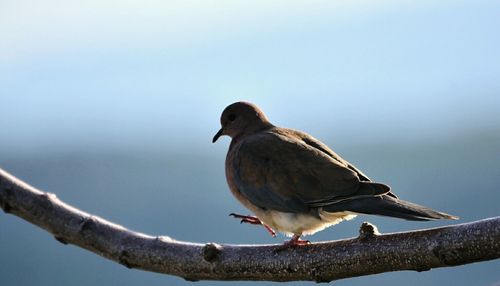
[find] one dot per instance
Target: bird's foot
(253, 220)
(246, 218)
(293, 242)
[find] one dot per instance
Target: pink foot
(293, 242)
(253, 220)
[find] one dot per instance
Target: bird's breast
(230, 177)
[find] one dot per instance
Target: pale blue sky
(152, 73)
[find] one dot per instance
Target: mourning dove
(295, 184)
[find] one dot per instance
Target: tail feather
(388, 206)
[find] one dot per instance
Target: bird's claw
(253, 220)
(246, 218)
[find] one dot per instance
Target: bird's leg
(253, 220)
(294, 241)
(270, 230)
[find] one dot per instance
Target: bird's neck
(241, 136)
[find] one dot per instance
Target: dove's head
(241, 118)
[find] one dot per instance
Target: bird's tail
(388, 206)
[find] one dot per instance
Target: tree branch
(370, 253)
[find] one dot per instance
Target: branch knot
(211, 252)
(368, 231)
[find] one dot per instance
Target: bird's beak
(217, 135)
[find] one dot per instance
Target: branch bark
(370, 253)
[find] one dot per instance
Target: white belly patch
(302, 224)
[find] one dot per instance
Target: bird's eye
(231, 117)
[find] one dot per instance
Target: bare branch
(370, 253)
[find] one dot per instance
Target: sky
(153, 73)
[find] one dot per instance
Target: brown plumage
(297, 185)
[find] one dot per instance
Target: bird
(295, 184)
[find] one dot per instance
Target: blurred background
(112, 105)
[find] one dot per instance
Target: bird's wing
(311, 141)
(280, 172)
